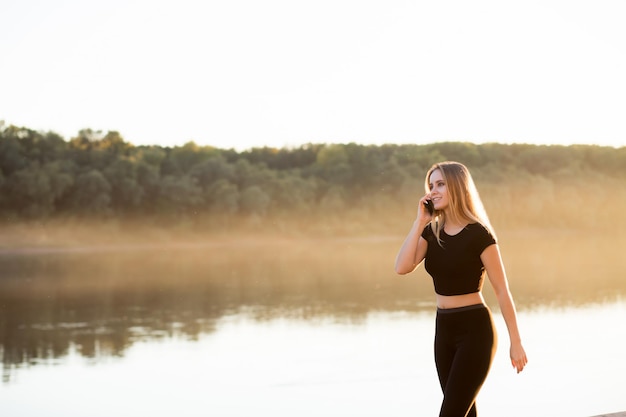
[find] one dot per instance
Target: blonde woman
(458, 246)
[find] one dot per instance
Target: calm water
(295, 328)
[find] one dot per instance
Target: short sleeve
(427, 233)
(484, 239)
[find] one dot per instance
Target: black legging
(465, 343)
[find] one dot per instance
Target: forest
(326, 188)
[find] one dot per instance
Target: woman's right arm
(413, 249)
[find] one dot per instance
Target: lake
(296, 327)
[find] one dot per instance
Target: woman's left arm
(495, 270)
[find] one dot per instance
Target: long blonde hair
(464, 204)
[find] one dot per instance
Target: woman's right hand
(414, 248)
(423, 216)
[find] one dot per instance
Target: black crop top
(456, 267)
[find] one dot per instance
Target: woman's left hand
(518, 357)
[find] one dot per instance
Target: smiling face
(438, 190)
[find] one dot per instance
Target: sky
(283, 73)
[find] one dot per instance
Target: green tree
(179, 195)
(91, 194)
(149, 180)
(254, 200)
(211, 170)
(333, 201)
(247, 174)
(12, 156)
(34, 191)
(126, 192)
(182, 159)
(333, 166)
(151, 155)
(291, 192)
(223, 197)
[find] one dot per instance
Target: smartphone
(429, 206)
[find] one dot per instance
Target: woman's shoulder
(481, 231)
(478, 227)
(428, 231)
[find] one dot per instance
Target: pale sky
(250, 73)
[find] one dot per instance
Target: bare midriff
(455, 301)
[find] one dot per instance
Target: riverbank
(78, 236)
(36, 239)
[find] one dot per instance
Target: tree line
(100, 175)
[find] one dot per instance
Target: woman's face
(438, 190)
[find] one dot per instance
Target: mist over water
(65, 310)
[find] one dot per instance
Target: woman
(458, 245)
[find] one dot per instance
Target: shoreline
(181, 244)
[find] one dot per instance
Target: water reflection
(99, 303)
